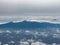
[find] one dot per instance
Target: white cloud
(38, 43)
(14, 19)
(5, 44)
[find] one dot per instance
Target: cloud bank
(29, 7)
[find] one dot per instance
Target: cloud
(29, 7)
(50, 19)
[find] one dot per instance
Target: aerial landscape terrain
(28, 32)
(29, 22)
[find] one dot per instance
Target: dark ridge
(29, 25)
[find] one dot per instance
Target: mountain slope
(29, 25)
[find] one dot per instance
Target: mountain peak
(24, 21)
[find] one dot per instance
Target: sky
(29, 7)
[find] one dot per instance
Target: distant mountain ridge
(29, 25)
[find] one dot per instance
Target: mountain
(28, 25)
(47, 36)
